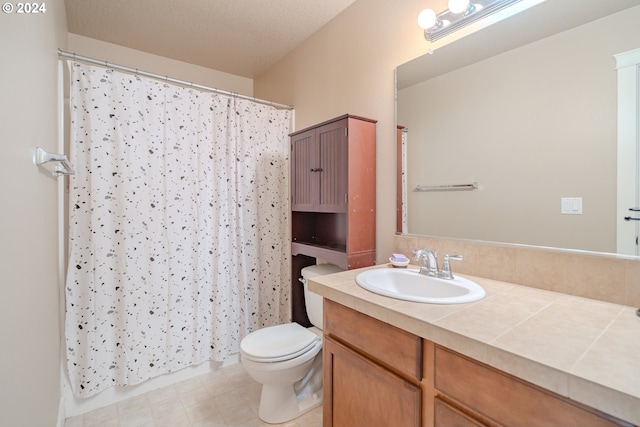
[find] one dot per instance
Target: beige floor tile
(237, 415)
(168, 407)
(224, 398)
(195, 396)
(177, 418)
(101, 416)
(162, 394)
(132, 405)
(141, 417)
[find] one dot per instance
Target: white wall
(29, 292)
(151, 63)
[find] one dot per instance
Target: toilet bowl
(287, 359)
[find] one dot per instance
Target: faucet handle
(446, 267)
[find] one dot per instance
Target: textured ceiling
(241, 37)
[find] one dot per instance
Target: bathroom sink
(409, 285)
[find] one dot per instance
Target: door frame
(627, 231)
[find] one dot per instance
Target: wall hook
(41, 157)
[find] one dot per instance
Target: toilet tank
(313, 301)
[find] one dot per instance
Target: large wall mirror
(527, 109)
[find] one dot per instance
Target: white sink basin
(409, 285)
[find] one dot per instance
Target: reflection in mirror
(533, 124)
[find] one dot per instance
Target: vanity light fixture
(459, 14)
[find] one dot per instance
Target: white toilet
(287, 359)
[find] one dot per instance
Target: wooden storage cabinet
(333, 187)
(371, 372)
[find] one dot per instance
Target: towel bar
(447, 187)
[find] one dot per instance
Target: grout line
(596, 339)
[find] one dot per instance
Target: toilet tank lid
(320, 270)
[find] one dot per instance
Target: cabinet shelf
(335, 254)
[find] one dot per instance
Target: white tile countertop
(583, 349)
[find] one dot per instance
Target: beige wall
(148, 62)
(29, 296)
(532, 125)
(348, 67)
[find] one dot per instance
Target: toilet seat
(278, 343)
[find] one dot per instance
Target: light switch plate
(571, 205)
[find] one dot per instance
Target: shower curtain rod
(168, 79)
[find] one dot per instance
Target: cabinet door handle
(316, 169)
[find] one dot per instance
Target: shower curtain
(178, 226)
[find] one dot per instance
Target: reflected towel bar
(447, 187)
(41, 157)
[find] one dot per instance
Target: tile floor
(224, 398)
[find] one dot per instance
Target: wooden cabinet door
(333, 165)
(319, 165)
(305, 180)
(359, 392)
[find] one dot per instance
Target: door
(359, 392)
(628, 218)
(333, 165)
(304, 177)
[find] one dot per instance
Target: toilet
(287, 359)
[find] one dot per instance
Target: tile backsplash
(597, 276)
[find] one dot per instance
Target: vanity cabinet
(376, 374)
(333, 191)
(372, 371)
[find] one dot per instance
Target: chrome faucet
(429, 260)
(429, 264)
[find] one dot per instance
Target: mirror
(527, 109)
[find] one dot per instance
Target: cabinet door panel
(334, 164)
(359, 392)
(304, 180)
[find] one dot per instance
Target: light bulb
(427, 19)
(458, 6)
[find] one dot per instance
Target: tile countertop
(584, 349)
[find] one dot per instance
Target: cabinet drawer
(395, 348)
(505, 399)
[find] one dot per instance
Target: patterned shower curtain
(178, 235)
